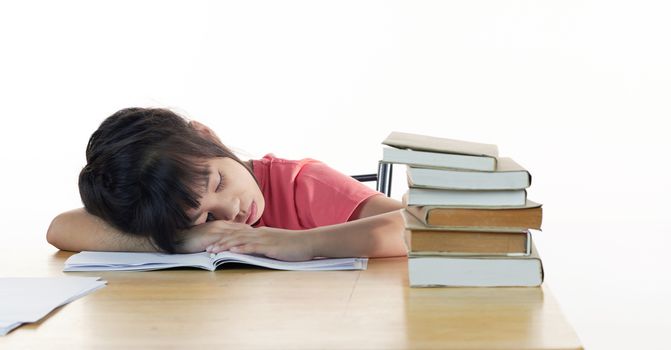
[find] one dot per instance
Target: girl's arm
(77, 230)
(376, 230)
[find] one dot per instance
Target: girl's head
(150, 172)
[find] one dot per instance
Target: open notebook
(121, 261)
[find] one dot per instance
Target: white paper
(28, 299)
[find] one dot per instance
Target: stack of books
(467, 215)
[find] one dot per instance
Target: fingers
(246, 249)
(274, 244)
(229, 241)
(236, 239)
(243, 248)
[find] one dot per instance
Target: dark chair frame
(383, 178)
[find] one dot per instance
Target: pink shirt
(303, 194)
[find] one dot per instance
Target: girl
(156, 182)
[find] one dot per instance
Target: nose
(226, 210)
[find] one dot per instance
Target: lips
(252, 214)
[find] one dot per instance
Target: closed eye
(221, 183)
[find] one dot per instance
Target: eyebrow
(207, 187)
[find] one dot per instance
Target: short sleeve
(325, 196)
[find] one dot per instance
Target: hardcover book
(522, 218)
(432, 242)
(476, 271)
(429, 240)
(431, 151)
(466, 198)
(509, 175)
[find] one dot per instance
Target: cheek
(261, 203)
(260, 200)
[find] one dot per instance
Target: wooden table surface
(250, 308)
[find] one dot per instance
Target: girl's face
(231, 194)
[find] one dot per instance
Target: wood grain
(250, 308)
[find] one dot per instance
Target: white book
(122, 261)
(508, 176)
(478, 271)
(28, 299)
(440, 144)
(466, 198)
(439, 160)
(429, 151)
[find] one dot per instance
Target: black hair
(144, 169)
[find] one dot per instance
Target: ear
(204, 131)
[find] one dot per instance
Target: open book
(122, 261)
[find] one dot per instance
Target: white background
(576, 91)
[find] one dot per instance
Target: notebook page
(110, 261)
(310, 265)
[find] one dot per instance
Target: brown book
(529, 216)
(424, 240)
(468, 242)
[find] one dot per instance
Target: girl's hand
(274, 243)
(199, 237)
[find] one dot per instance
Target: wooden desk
(260, 309)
